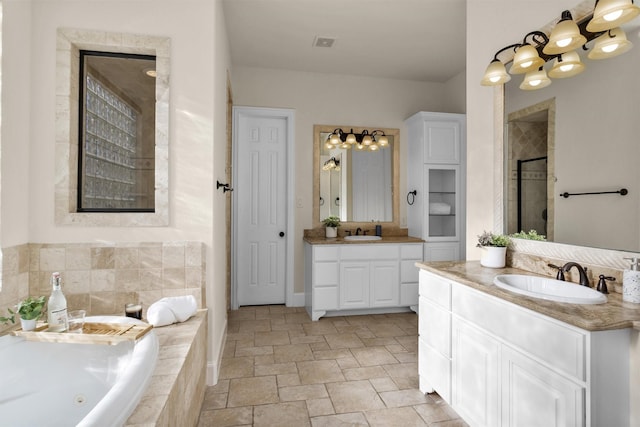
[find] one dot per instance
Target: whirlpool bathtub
(60, 384)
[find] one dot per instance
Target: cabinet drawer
(558, 345)
(435, 289)
(412, 251)
(408, 272)
(325, 273)
(372, 252)
(434, 325)
(325, 253)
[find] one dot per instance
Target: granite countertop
(340, 240)
(614, 314)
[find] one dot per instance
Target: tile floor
(282, 369)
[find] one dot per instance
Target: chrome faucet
(358, 231)
(584, 279)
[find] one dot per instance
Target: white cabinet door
(385, 287)
(535, 396)
(442, 141)
(475, 375)
(354, 284)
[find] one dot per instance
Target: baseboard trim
(213, 366)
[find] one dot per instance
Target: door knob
(282, 234)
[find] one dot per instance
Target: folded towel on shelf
(169, 310)
(437, 208)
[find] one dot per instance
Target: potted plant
(29, 310)
(331, 224)
(528, 235)
(495, 246)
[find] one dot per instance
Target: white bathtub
(56, 384)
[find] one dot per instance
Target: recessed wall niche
(69, 44)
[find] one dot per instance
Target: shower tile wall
(527, 140)
(102, 278)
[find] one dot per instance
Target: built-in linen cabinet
(435, 181)
(345, 277)
(499, 364)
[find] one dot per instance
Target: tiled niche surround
(101, 278)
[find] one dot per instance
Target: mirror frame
(317, 130)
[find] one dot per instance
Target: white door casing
(262, 242)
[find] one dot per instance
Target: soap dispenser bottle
(631, 282)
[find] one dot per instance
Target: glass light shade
(373, 147)
(351, 139)
(328, 145)
(610, 14)
(612, 43)
(564, 37)
(535, 80)
(366, 140)
(566, 65)
(526, 59)
(345, 146)
(335, 139)
(383, 141)
(496, 74)
(360, 147)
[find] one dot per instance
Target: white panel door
(261, 214)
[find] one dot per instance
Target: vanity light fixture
(534, 80)
(529, 57)
(612, 43)
(610, 14)
(373, 140)
(330, 164)
(565, 36)
(566, 65)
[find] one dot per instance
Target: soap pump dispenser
(631, 282)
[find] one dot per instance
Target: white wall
(332, 99)
(199, 58)
(597, 149)
(455, 94)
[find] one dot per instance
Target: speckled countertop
(614, 314)
(340, 240)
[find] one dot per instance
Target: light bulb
(563, 42)
(534, 83)
(373, 147)
(610, 48)
(566, 68)
(526, 64)
(494, 79)
(613, 15)
(366, 140)
(351, 139)
(328, 145)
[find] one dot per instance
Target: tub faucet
(584, 279)
(358, 231)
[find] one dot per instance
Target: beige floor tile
(410, 397)
(214, 401)
(252, 391)
(281, 415)
(226, 417)
(431, 413)
(319, 371)
(381, 330)
(380, 342)
(320, 327)
(337, 341)
(288, 380)
(254, 351)
(371, 356)
(276, 369)
(271, 338)
(236, 368)
(266, 359)
(348, 362)
(402, 370)
(254, 325)
(406, 357)
(221, 387)
(394, 417)
(356, 419)
(383, 384)
(289, 327)
(302, 392)
(407, 382)
(313, 340)
(365, 373)
(332, 354)
(354, 396)
(292, 353)
(297, 318)
(317, 407)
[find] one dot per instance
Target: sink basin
(362, 238)
(549, 289)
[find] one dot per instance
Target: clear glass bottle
(57, 306)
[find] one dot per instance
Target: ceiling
(420, 40)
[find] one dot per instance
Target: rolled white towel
(438, 208)
(170, 310)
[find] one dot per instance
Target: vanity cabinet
(435, 172)
(499, 364)
(346, 277)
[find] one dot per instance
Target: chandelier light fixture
(364, 140)
(561, 46)
(331, 164)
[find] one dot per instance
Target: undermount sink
(362, 238)
(549, 289)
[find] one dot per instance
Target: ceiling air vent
(324, 41)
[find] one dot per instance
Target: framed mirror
(578, 135)
(360, 186)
